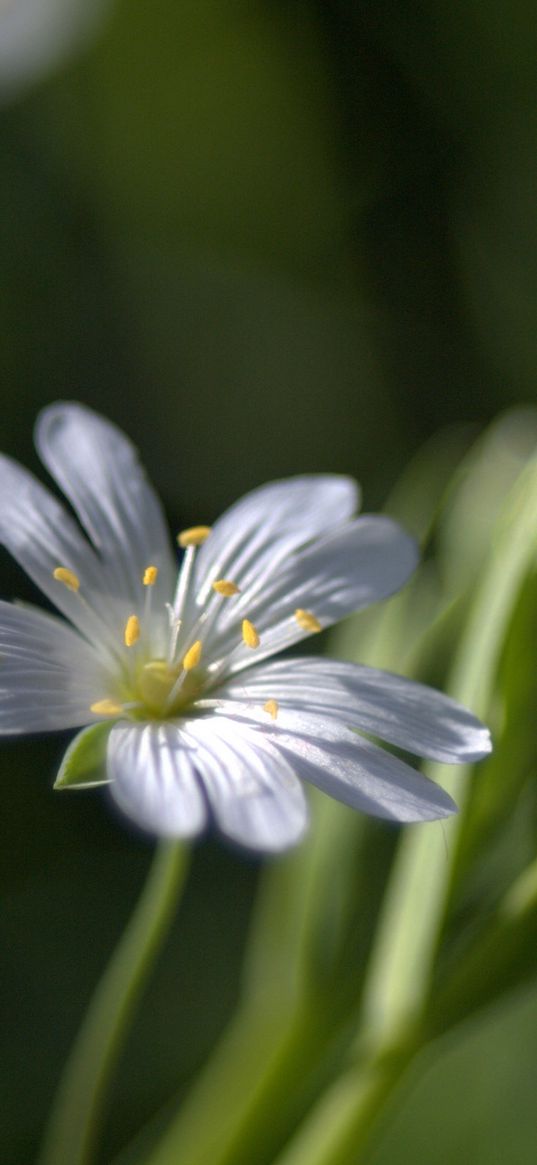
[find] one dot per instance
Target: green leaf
(84, 762)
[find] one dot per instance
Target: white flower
(174, 669)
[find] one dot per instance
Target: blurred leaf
(477, 493)
(500, 957)
(498, 783)
(469, 1097)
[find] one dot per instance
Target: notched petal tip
(59, 413)
(479, 746)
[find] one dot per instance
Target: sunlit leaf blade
(489, 828)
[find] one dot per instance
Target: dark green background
(264, 238)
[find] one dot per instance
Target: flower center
(163, 690)
(144, 683)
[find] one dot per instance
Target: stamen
(149, 579)
(307, 621)
(150, 576)
(271, 707)
(67, 577)
(107, 708)
(192, 656)
(132, 631)
(224, 586)
(175, 627)
(249, 634)
(194, 536)
(108, 641)
(183, 581)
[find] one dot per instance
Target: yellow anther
(150, 576)
(307, 621)
(271, 707)
(223, 586)
(193, 656)
(132, 631)
(67, 577)
(194, 536)
(107, 708)
(249, 634)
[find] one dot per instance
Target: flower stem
(78, 1111)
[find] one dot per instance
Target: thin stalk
(79, 1107)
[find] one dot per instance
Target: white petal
(252, 789)
(350, 768)
(154, 780)
(358, 564)
(37, 530)
(271, 522)
(49, 676)
(408, 714)
(99, 471)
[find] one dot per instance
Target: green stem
(77, 1114)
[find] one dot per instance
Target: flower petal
(49, 675)
(252, 789)
(259, 532)
(37, 530)
(358, 773)
(401, 711)
(99, 471)
(350, 768)
(357, 564)
(154, 779)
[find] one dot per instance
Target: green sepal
(84, 763)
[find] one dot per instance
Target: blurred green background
(265, 238)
